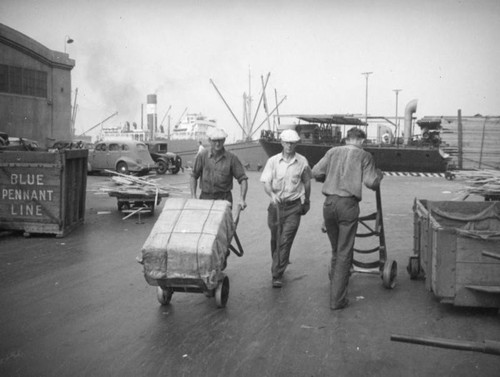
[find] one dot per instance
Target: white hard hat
(215, 133)
(290, 136)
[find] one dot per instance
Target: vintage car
(10, 143)
(167, 161)
(124, 156)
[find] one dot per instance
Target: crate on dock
(188, 247)
(43, 192)
(456, 245)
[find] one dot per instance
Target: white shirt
(287, 177)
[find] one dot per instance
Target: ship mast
(247, 127)
(249, 105)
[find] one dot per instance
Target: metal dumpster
(457, 250)
(43, 192)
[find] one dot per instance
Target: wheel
(175, 170)
(123, 206)
(389, 274)
(413, 268)
(222, 292)
(162, 167)
(164, 295)
(122, 168)
(151, 206)
(449, 176)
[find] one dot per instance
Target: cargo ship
(185, 137)
(410, 152)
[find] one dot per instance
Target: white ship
(192, 127)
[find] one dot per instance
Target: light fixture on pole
(366, 95)
(67, 40)
(397, 122)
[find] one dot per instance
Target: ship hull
(387, 158)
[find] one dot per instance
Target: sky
(441, 52)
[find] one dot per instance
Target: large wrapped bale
(189, 240)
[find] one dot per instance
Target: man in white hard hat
(287, 180)
(215, 168)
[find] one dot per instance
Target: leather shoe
(277, 283)
(342, 305)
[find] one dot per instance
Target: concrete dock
(80, 306)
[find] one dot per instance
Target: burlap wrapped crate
(188, 241)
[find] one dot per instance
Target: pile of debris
(135, 195)
(485, 183)
(129, 184)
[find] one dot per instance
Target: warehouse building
(35, 89)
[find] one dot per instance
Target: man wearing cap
(216, 168)
(344, 170)
(287, 180)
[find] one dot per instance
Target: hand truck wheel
(164, 295)
(389, 273)
(222, 292)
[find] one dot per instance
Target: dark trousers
(285, 219)
(341, 222)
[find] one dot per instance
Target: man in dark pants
(344, 170)
(287, 180)
(216, 168)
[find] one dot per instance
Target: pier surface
(80, 306)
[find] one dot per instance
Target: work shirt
(217, 172)
(287, 178)
(345, 169)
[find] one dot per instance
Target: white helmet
(290, 136)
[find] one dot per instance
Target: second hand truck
(374, 226)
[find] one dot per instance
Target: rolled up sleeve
(238, 169)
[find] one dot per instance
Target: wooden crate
(43, 192)
(456, 270)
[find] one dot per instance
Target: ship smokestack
(411, 107)
(152, 118)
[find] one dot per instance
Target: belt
(290, 203)
(344, 197)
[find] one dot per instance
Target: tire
(175, 169)
(413, 268)
(123, 206)
(122, 168)
(389, 274)
(222, 292)
(164, 295)
(162, 167)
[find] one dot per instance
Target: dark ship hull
(319, 133)
(387, 158)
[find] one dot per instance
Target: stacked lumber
(480, 141)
